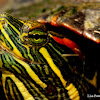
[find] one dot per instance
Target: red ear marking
(72, 45)
(69, 43)
(59, 40)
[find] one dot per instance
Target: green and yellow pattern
(35, 69)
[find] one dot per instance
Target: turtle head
(27, 32)
(17, 35)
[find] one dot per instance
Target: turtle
(39, 64)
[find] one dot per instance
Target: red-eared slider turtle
(38, 64)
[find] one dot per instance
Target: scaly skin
(34, 66)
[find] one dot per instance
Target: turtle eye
(33, 34)
(37, 37)
(33, 37)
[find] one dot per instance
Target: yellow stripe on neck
(46, 55)
(15, 50)
(13, 27)
(21, 87)
(31, 73)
